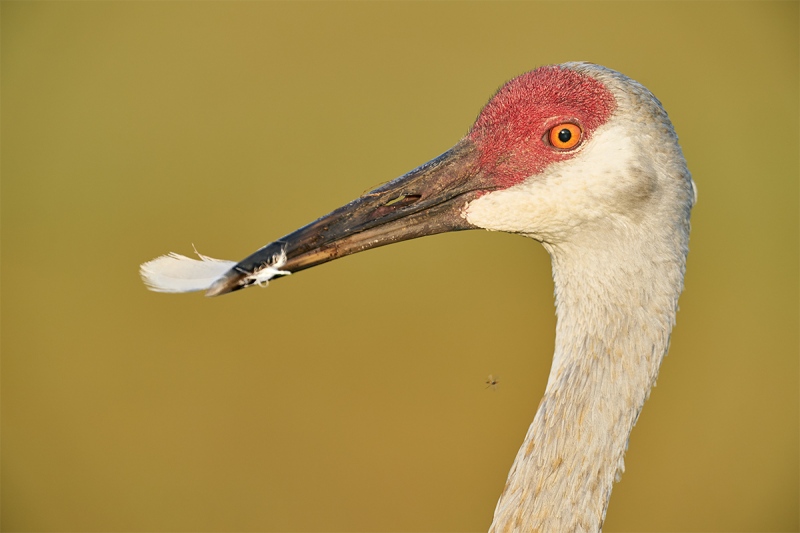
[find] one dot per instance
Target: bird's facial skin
(534, 122)
(513, 128)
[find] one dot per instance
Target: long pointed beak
(426, 201)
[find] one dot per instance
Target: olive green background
(351, 397)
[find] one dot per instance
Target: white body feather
(178, 273)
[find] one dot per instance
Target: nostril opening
(403, 200)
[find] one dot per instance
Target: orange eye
(565, 136)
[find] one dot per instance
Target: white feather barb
(178, 273)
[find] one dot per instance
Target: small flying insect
(492, 381)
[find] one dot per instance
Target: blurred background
(351, 397)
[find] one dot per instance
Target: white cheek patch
(178, 273)
(565, 195)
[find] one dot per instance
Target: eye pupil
(564, 135)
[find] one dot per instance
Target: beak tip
(227, 283)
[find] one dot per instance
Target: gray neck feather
(617, 289)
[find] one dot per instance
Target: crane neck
(616, 300)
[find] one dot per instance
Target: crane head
(554, 150)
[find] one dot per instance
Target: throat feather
(612, 334)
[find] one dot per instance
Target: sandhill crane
(585, 161)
